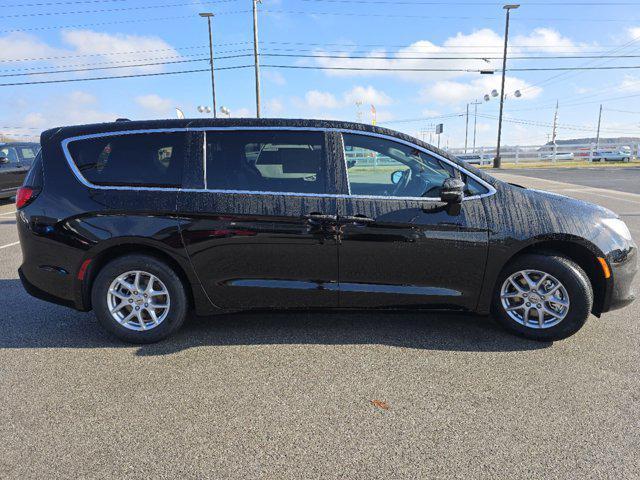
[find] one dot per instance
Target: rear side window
(35, 177)
(147, 159)
(266, 161)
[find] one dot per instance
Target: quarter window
(266, 161)
(150, 159)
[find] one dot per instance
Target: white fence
(552, 153)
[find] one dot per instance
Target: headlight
(618, 226)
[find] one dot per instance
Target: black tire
(178, 304)
(570, 275)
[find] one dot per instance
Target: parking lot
(289, 395)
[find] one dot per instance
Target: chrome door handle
(321, 217)
(357, 219)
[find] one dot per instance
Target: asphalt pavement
(289, 395)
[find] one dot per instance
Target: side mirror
(452, 190)
(396, 176)
(351, 163)
(4, 160)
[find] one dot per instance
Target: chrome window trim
(204, 158)
(72, 165)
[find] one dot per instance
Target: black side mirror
(4, 160)
(452, 190)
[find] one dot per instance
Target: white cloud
(451, 92)
(274, 77)
(634, 32)
(316, 99)
(274, 107)
(121, 48)
(156, 104)
(630, 83)
(547, 40)
(21, 45)
(462, 45)
(82, 98)
(242, 113)
(367, 95)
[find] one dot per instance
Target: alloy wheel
(138, 300)
(534, 299)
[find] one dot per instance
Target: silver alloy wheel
(534, 299)
(138, 300)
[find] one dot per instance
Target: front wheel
(139, 299)
(542, 297)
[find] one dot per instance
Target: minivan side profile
(144, 221)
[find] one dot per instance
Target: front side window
(378, 166)
(266, 161)
(381, 167)
(148, 159)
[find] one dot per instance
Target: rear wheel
(542, 297)
(139, 299)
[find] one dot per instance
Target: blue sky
(88, 34)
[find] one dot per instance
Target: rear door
(400, 246)
(260, 229)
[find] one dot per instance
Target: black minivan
(143, 221)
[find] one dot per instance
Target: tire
(575, 288)
(171, 308)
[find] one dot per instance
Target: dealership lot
(275, 395)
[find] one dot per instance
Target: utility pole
(508, 8)
(255, 54)
(598, 133)
(475, 104)
(208, 16)
(554, 132)
(466, 129)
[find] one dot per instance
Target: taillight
(25, 196)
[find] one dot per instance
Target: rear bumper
(624, 266)
(41, 294)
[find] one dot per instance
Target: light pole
(225, 111)
(508, 8)
(255, 54)
(208, 16)
(475, 104)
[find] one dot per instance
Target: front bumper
(624, 266)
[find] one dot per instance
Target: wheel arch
(578, 250)
(128, 247)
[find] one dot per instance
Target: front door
(400, 246)
(262, 231)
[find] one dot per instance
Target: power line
(48, 4)
(67, 80)
(107, 10)
(393, 57)
(138, 65)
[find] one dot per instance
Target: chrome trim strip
(204, 158)
(84, 181)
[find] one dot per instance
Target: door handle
(357, 219)
(319, 217)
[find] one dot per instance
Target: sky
(455, 38)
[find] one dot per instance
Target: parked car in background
(557, 156)
(470, 158)
(162, 217)
(15, 160)
(611, 155)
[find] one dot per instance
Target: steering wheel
(402, 183)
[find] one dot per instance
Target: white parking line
(9, 245)
(7, 213)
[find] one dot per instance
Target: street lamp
(208, 16)
(204, 109)
(225, 111)
(508, 8)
